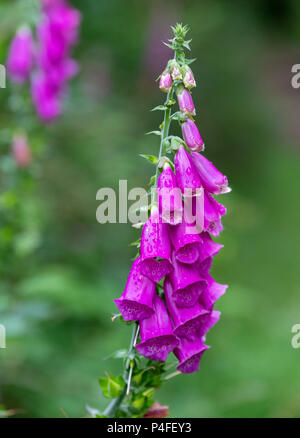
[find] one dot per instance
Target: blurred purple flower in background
(20, 57)
(51, 66)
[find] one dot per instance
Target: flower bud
(20, 57)
(192, 136)
(185, 101)
(175, 71)
(188, 78)
(157, 337)
(136, 301)
(21, 151)
(165, 83)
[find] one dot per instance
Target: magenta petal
(187, 283)
(207, 323)
(169, 197)
(136, 301)
(212, 293)
(189, 354)
(205, 266)
(192, 136)
(187, 321)
(186, 242)
(212, 215)
(209, 247)
(157, 337)
(155, 244)
(212, 180)
(186, 174)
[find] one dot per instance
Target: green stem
(116, 402)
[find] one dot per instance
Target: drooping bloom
(186, 242)
(185, 101)
(21, 151)
(157, 337)
(155, 248)
(187, 321)
(20, 57)
(189, 354)
(169, 197)
(188, 78)
(187, 283)
(165, 83)
(192, 136)
(212, 179)
(213, 211)
(186, 174)
(136, 302)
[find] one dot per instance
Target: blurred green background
(60, 276)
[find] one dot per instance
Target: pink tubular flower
(136, 301)
(20, 57)
(165, 83)
(188, 78)
(188, 321)
(155, 245)
(189, 354)
(186, 242)
(187, 282)
(157, 337)
(212, 215)
(21, 151)
(192, 136)
(186, 174)
(212, 180)
(185, 101)
(169, 197)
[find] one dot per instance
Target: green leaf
(111, 386)
(137, 243)
(160, 108)
(190, 61)
(152, 180)
(154, 132)
(151, 158)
